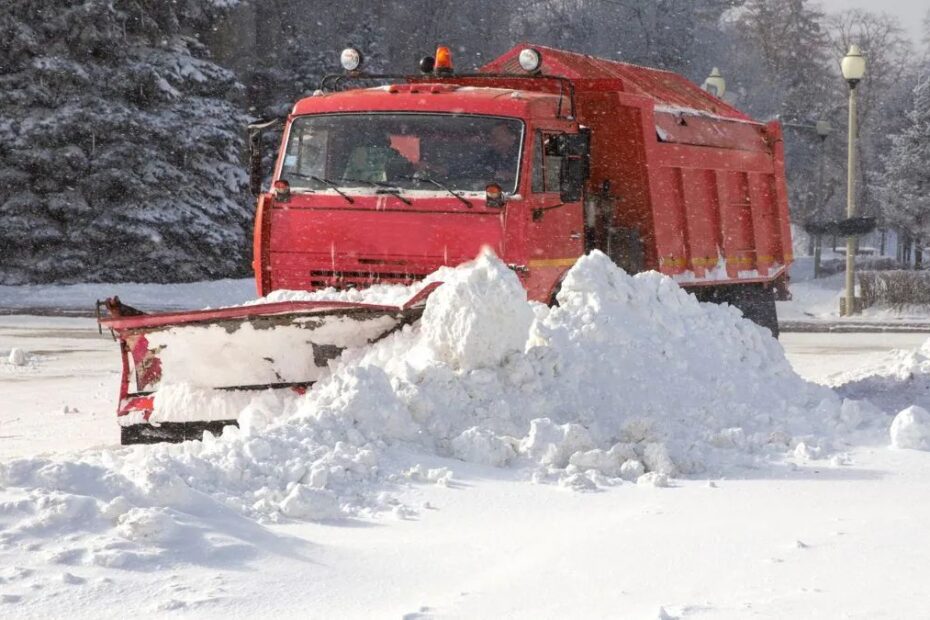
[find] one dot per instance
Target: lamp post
(715, 84)
(853, 67)
(823, 129)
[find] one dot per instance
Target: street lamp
(823, 129)
(715, 84)
(853, 67)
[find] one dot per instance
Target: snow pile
(630, 378)
(911, 429)
(478, 318)
(898, 380)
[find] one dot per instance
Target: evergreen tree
(906, 182)
(924, 60)
(119, 144)
(778, 68)
(781, 51)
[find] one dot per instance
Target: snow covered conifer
(119, 144)
(906, 181)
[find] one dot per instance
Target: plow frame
(130, 326)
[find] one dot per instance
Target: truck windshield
(462, 152)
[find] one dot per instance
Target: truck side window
(546, 163)
(305, 154)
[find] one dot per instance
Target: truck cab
(389, 183)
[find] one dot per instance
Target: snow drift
(628, 378)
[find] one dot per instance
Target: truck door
(556, 229)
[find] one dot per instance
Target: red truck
(541, 154)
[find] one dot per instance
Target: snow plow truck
(541, 154)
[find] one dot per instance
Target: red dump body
(680, 182)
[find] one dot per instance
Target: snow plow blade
(181, 371)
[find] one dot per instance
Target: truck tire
(759, 306)
(755, 301)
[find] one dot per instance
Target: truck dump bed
(685, 183)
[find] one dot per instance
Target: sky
(911, 12)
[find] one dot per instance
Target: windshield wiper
(393, 191)
(333, 185)
(313, 177)
(385, 188)
(427, 179)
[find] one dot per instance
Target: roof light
(426, 64)
(530, 59)
(351, 59)
(443, 64)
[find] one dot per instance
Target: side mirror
(256, 131)
(575, 150)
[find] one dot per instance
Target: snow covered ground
(818, 302)
(828, 527)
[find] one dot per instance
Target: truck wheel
(759, 307)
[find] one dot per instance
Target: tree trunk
(817, 245)
(899, 246)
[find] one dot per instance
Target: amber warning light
(443, 63)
